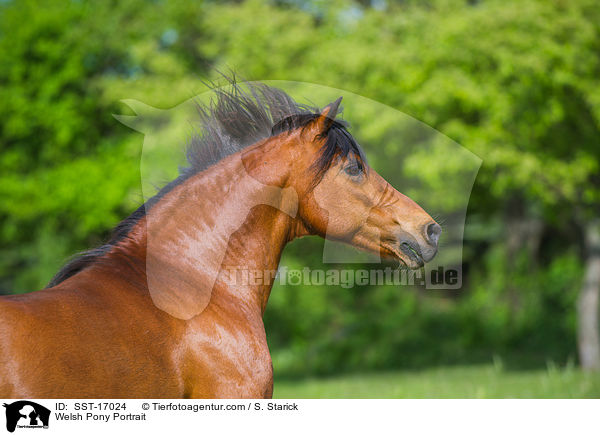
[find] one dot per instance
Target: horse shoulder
(227, 356)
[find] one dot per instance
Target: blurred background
(514, 82)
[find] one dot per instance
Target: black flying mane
(236, 118)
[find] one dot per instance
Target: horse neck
(248, 269)
(218, 221)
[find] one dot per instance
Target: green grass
(490, 381)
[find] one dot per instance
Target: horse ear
(328, 114)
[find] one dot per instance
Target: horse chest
(229, 362)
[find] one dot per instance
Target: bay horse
(152, 314)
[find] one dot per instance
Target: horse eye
(353, 170)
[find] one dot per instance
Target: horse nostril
(433, 233)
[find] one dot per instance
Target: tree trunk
(523, 233)
(587, 306)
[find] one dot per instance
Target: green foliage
(65, 161)
(515, 314)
